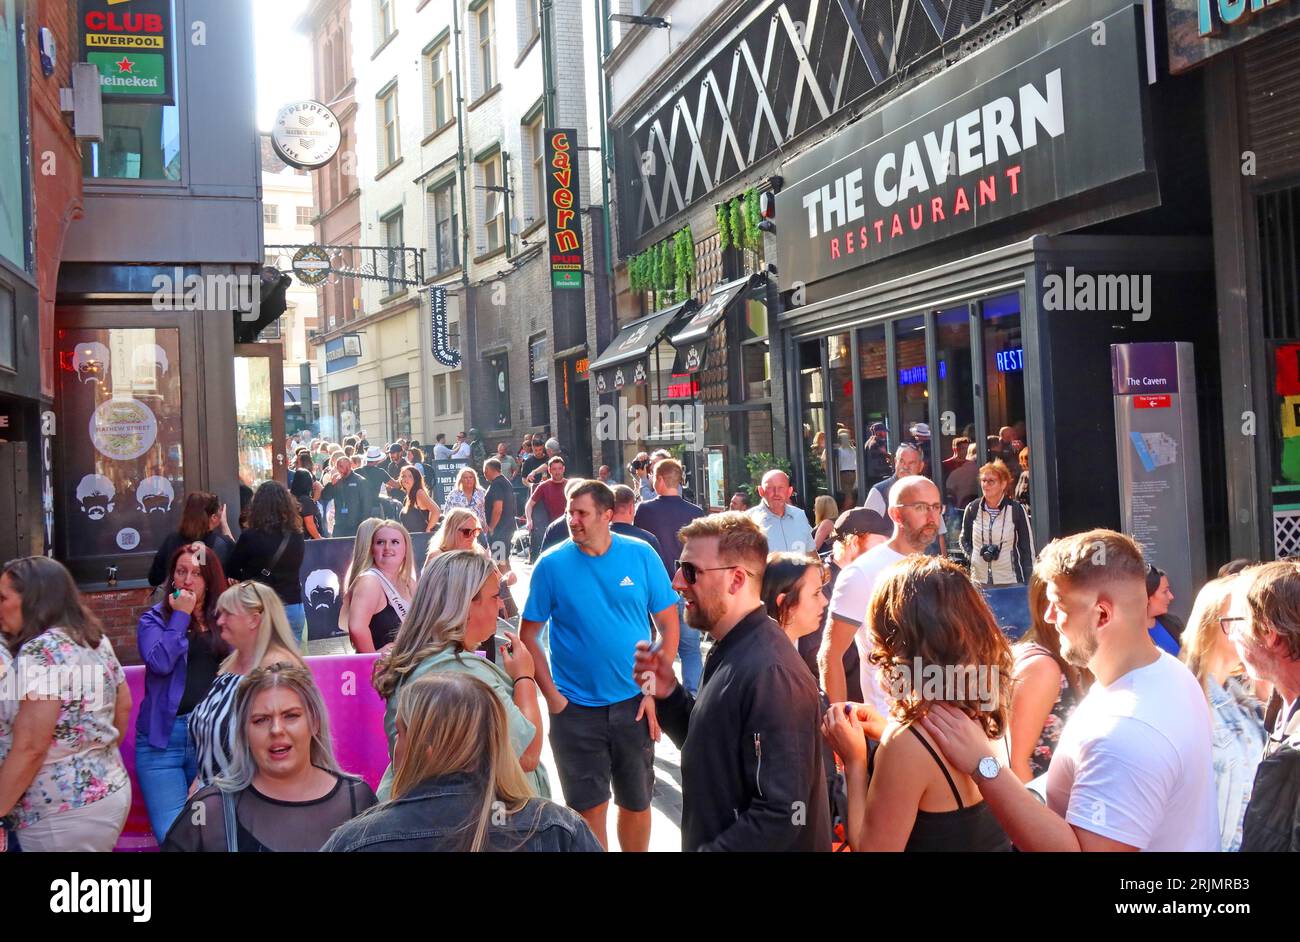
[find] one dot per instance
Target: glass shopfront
(926, 376)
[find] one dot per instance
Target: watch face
(989, 768)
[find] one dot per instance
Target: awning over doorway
(691, 339)
(625, 359)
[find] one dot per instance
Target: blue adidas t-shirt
(599, 607)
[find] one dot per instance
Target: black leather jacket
(440, 814)
(1272, 820)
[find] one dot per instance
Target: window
(457, 382)
(537, 361)
(487, 66)
(389, 143)
(530, 22)
(385, 25)
(445, 235)
(399, 408)
(346, 409)
(305, 214)
(270, 214)
(494, 217)
(127, 475)
(438, 72)
(453, 334)
(13, 131)
(535, 146)
(440, 394)
(393, 262)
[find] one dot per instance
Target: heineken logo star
(125, 65)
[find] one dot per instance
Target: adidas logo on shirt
(627, 580)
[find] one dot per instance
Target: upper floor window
(393, 262)
(389, 142)
(494, 216)
(270, 214)
(141, 142)
(445, 235)
(385, 24)
(439, 102)
(535, 158)
(486, 41)
(304, 215)
(530, 21)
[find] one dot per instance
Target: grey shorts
(596, 747)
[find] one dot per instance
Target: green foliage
(724, 225)
(737, 222)
(757, 465)
(684, 247)
(666, 267)
(753, 235)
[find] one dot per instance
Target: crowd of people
(858, 693)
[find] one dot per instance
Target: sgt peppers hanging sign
(130, 42)
(562, 208)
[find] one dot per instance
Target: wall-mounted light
(638, 19)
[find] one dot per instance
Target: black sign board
(323, 576)
(1054, 110)
(444, 476)
(439, 329)
(132, 46)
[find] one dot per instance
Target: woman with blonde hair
(379, 585)
(456, 784)
(934, 639)
(468, 493)
(995, 532)
(1236, 713)
(253, 623)
(825, 511)
(283, 789)
(453, 613)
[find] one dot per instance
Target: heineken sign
(130, 42)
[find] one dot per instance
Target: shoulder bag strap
(228, 812)
(266, 573)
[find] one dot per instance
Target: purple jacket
(165, 647)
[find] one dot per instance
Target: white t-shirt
(1134, 762)
(461, 450)
(846, 458)
(849, 602)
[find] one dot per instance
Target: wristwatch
(988, 768)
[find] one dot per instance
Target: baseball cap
(394, 447)
(861, 520)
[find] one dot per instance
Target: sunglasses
(470, 531)
(691, 572)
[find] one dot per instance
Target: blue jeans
(688, 650)
(165, 776)
(298, 624)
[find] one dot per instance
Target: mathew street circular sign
(311, 264)
(306, 134)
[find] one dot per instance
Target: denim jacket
(439, 815)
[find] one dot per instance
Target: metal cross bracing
(393, 265)
(781, 67)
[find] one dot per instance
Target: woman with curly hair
(270, 551)
(935, 640)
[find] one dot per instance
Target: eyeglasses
(1224, 621)
(921, 507)
(691, 572)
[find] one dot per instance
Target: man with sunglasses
(916, 512)
(1133, 768)
(1263, 624)
(752, 773)
(600, 591)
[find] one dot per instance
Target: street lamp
(638, 19)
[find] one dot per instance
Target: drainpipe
(548, 65)
(469, 314)
(606, 154)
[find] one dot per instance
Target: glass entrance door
(259, 413)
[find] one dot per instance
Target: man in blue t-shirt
(600, 590)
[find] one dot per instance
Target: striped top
(212, 727)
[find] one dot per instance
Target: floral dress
(1066, 700)
(457, 498)
(83, 764)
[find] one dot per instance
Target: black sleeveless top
(415, 520)
(972, 828)
(383, 626)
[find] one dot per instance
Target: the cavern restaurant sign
(1052, 111)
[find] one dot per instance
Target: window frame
(497, 221)
(488, 75)
(389, 151)
(447, 186)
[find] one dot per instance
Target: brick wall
(56, 161)
(120, 612)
